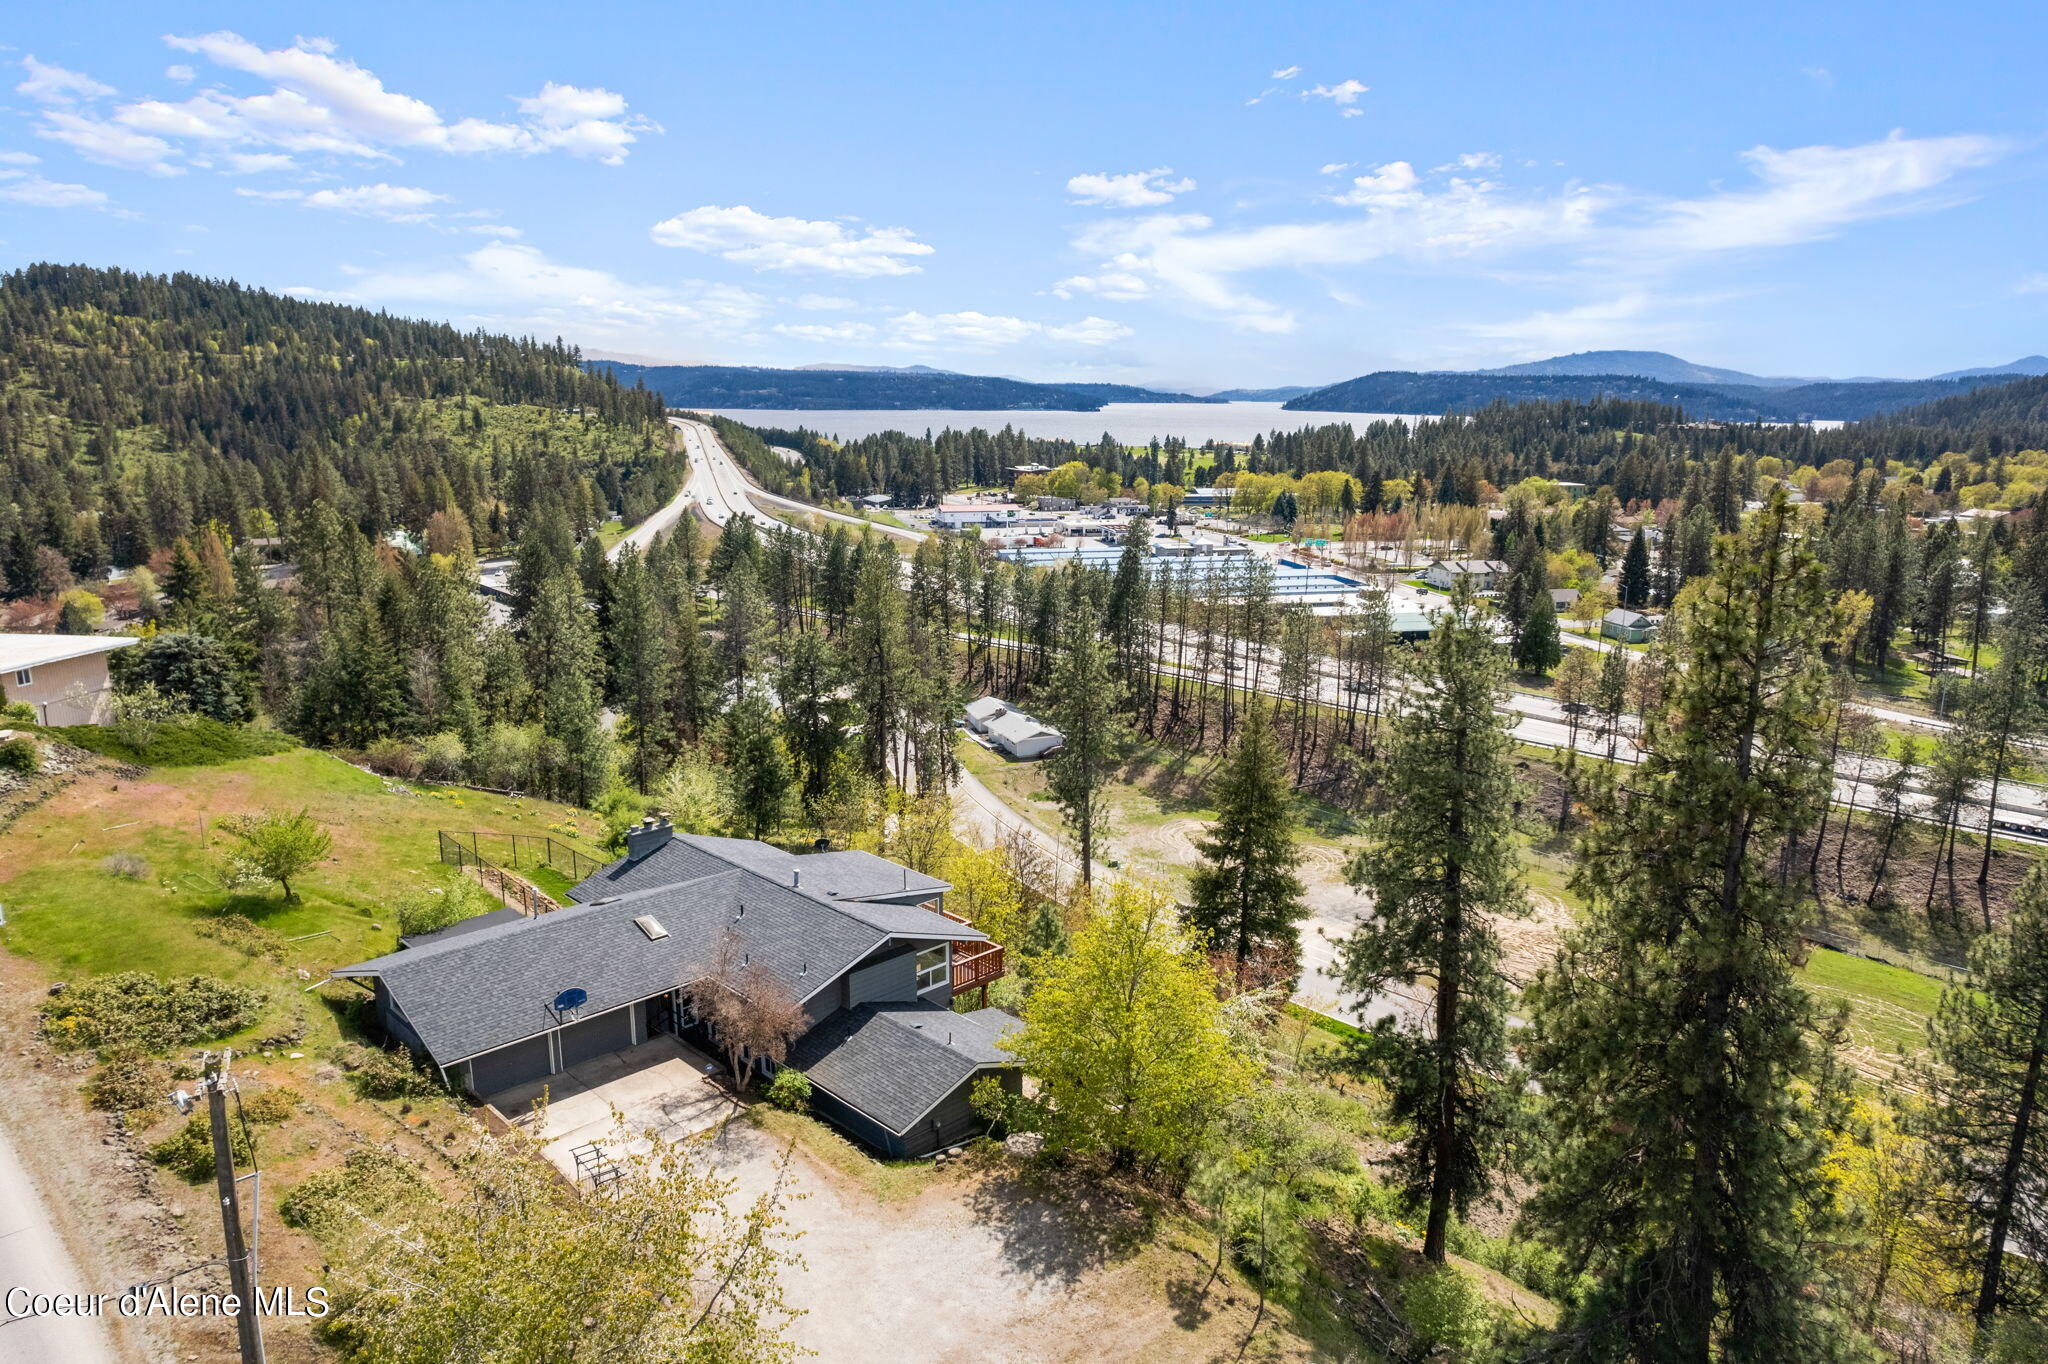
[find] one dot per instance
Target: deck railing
(975, 964)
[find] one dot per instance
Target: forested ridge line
(137, 408)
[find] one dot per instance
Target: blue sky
(1187, 194)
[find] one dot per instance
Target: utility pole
(241, 1267)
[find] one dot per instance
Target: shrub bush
(129, 1080)
(443, 757)
(20, 754)
(1444, 1308)
(188, 1152)
(270, 1105)
(432, 908)
(136, 1008)
(183, 743)
(368, 1180)
(133, 866)
(243, 934)
(790, 1090)
(394, 758)
(383, 1074)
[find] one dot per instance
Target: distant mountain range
(2030, 366)
(1705, 391)
(1652, 376)
(849, 387)
(1646, 364)
(1404, 391)
(1261, 395)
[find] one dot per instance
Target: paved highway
(33, 1257)
(724, 490)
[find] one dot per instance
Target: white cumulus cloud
(109, 144)
(33, 191)
(1344, 94)
(47, 84)
(971, 330)
(826, 332)
(1455, 220)
(511, 286)
(1133, 189)
(756, 239)
(321, 103)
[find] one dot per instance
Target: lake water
(1126, 423)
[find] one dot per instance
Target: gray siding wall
(954, 1120)
(857, 1125)
(393, 1022)
(890, 976)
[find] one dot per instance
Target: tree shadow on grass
(1188, 1294)
(1058, 1225)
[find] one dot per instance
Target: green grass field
(1888, 1005)
(73, 916)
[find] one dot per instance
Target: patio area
(660, 1085)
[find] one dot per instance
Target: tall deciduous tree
(1688, 1099)
(1440, 863)
(1246, 895)
(1126, 1039)
(668, 1263)
(1988, 1115)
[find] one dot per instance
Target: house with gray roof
(862, 944)
(1484, 574)
(1630, 627)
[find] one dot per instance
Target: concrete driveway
(660, 1085)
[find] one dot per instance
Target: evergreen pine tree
(811, 712)
(563, 662)
(757, 770)
(1537, 648)
(1987, 1118)
(1085, 695)
(1634, 587)
(641, 667)
(1246, 897)
(1688, 1099)
(1440, 863)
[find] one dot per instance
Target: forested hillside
(1403, 391)
(745, 386)
(2016, 412)
(140, 408)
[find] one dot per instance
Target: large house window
(931, 968)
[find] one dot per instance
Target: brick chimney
(648, 835)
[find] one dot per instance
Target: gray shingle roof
(895, 1062)
(469, 993)
(844, 875)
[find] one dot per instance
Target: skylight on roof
(651, 926)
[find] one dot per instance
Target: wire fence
(490, 854)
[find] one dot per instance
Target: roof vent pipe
(796, 878)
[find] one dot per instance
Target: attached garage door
(595, 1036)
(518, 1064)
